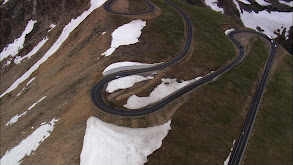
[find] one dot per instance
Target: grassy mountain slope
(271, 141)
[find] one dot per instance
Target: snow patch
(13, 48)
(8, 62)
(52, 26)
(126, 65)
(63, 36)
(16, 117)
(167, 87)
(108, 144)
(18, 59)
(237, 6)
(28, 145)
(228, 31)
(263, 2)
(286, 3)
(5, 1)
(213, 4)
(245, 2)
(228, 158)
(32, 106)
(125, 35)
(125, 82)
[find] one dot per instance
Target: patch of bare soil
(66, 79)
(121, 6)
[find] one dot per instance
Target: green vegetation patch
(271, 140)
(212, 49)
(204, 127)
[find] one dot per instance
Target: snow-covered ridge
(108, 144)
(167, 87)
(28, 145)
(63, 36)
(125, 35)
(16, 117)
(13, 48)
(126, 65)
(125, 82)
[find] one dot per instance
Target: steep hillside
(52, 56)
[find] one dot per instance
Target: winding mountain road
(250, 118)
(96, 92)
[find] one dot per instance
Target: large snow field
(16, 117)
(164, 89)
(12, 49)
(126, 65)
(214, 6)
(270, 22)
(63, 36)
(108, 144)
(125, 82)
(28, 145)
(125, 35)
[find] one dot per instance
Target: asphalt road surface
(248, 124)
(96, 92)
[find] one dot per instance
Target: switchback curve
(96, 92)
(108, 5)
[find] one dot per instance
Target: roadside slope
(271, 140)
